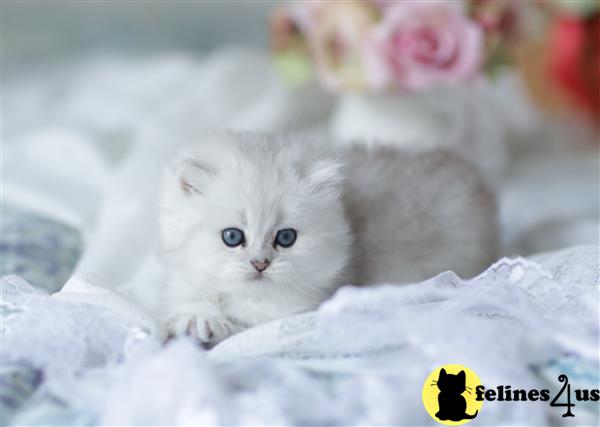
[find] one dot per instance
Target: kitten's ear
(192, 176)
(462, 376)
(324, 175)
(442, 373)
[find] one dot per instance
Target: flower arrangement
(402, 45)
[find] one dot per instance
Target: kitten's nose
(260, 265)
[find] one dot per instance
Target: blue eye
(232, 237)
(286, 237)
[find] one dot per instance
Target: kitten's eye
(233, 237)
(286, 237)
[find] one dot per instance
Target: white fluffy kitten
(223, 204)
(256, 227)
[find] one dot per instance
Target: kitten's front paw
(208, 331)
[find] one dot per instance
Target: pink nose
(260, 265)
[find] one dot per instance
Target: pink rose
(419, 44)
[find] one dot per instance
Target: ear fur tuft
(192, 176)
(325, 175)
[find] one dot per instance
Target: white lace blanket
(360, 359)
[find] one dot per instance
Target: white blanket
(362, 358)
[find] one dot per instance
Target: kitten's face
(261, 217)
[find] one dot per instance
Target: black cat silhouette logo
(448, 395)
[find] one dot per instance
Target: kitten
(256, 227)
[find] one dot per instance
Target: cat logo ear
(461, 375)
(192, 176)
(443, 373)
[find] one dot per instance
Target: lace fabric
(361, 358)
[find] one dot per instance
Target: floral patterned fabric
(41, 250)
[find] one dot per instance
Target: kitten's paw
(208, 331)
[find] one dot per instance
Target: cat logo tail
(470, 417)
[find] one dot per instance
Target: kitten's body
(416, 214)
(369, 216)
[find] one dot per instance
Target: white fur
(373, 215)
(260, 185)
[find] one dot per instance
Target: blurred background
(42, 33)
